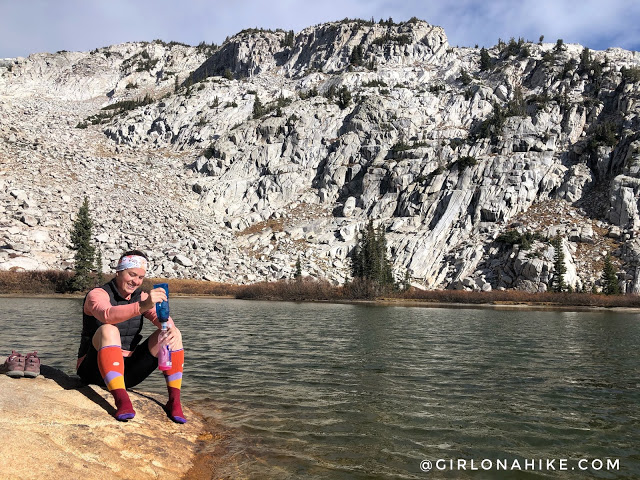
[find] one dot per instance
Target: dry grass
(38, 282)
(291, 290)
(309, 289)
(517, 297)
(178, 286)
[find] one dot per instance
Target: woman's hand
(156, 295)
(173, 337)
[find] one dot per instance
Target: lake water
(320, 391)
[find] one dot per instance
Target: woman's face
(129, 280)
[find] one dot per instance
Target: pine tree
(82, 244)
(298, 272)
(369, 260)
(485, 60)
(406, 281)
(559, 267)
(609, 278)
(356, 56)
(585, 60)
(258, 108)
(344, 97)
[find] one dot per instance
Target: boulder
(182, 260)
(349, 207)
(29, 220)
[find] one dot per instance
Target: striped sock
(173, 376)
(111, 365)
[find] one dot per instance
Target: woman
(110, 349)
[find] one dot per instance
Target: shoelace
(32, 357)
(14, 355)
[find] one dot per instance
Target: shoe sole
(31, 374)
(15, 374)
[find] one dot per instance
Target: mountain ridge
(359, 121)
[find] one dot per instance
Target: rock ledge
(54, 427)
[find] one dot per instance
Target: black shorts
(138, 366)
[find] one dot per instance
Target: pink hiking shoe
(31, 365)
(14, 365)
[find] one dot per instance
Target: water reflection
(351, 391)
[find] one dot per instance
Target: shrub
(464, 77)
(35, 282)
(374, 83)
(603, 134)
(466, 161)
(630, 75)
(290, 290)
(126, 105)
(388, 38)
(515, 237)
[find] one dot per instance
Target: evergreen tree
(406, 281)
(82, 244)
(357, 55)
(585, 60)
(288, 39)
(559, 267)
(258, 108)
(609, 278)
(344, 97)
(298, 272)
(485, 59)
(369, 260)
(517, 106)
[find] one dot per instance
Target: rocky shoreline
(55, 427)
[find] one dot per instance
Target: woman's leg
(106, 341)
(173, 376)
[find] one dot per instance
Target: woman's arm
(98, 305)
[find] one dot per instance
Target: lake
(324, 391)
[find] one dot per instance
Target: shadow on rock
(74, 383)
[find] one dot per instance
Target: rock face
(52, 427)
(279, 145)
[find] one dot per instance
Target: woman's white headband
(132, 261)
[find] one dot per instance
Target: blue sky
(30, 26)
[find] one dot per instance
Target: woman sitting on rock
(110, 349)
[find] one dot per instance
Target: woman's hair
(134, 252)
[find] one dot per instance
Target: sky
(33, 26)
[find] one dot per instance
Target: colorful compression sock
(173, 376)
(111, 365)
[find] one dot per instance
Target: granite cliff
(228, 163)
